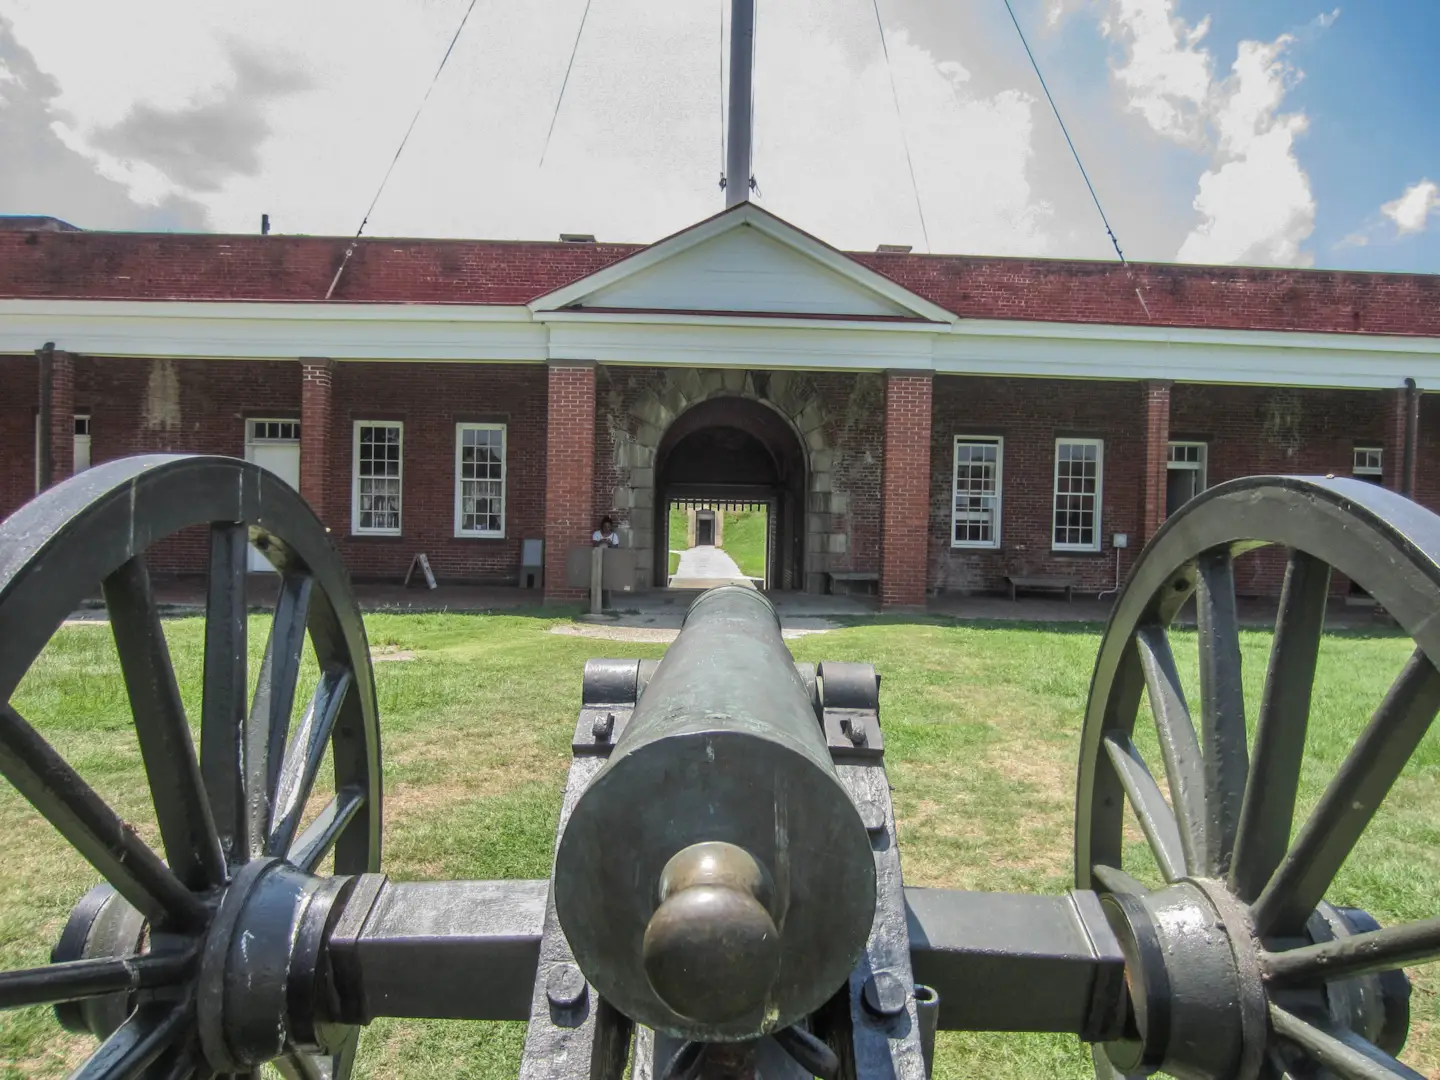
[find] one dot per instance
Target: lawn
(745, 540)
(982, 725)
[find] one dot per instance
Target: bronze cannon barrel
(715, 881)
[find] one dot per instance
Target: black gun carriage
(727, 897)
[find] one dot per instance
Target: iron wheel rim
(238, 796)
(1224, 833)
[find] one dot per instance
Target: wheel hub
(1198, 999)
(260, 979)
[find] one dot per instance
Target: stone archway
(639, 422)
(733, 449)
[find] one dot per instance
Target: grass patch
(982, 726)
(744, 538)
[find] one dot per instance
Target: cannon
(726, 898)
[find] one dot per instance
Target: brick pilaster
(1155, 446)
(569, 471)
(905, 490)
(57, 403)
(317, 377)
(1399, 405)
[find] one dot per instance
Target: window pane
(1077, 493)
(976, 492)
(480, 480)
(377, 471)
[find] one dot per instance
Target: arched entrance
(737, 451)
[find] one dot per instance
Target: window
(479, 479)
(1184, 474)
(1368, 463)
(376, 495)
(274, 431)
(1078, 468)
(976, 509)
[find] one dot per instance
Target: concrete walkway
(705, 567)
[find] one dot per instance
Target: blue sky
(1287, 158)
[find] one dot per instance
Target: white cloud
(1353, 240)
(635, 153)
(1166, 74)
(1254, 198)
(1411, 211)
(1324, 21)
(1256, 204)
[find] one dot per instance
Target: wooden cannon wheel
(1238, 966)
(149, 960)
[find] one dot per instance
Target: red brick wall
(906, 501)
(195, 406)
(138, 406)
(1155, 415)
(570, 472)
(1254, 431)
(1030, 414)
(430, 399)
(62, 417)
(316, 421)
(168, 266)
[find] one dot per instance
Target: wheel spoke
(1268, 813)
(303, 758)
(1338, 1050)
(91, 827)
(136, 1043)
(1358, 954)
(1115, 880)
(1155, 816)
(298, 1065)
(269, 723)
(1348, 804)
(1184, 766)
(1222, 708)
(81, 979)
(317, 841)
(222, 716)
(181, 807)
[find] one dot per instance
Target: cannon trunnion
(727, 897)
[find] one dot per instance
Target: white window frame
(998, 442)
(251, 439)
(1202, 466)
(1378, 469)
(355, 528)
(483, 534)
(1096, 529)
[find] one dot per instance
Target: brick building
(938, 421)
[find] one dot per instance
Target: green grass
(745, 540)
(679, 522)
(981, 725)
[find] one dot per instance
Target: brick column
(57, 416)
(1402, 408)
(1155, 446)
(316, 379)
(905, 492)
(569, 470)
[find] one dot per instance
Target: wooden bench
(1051, 584)
(851, 577)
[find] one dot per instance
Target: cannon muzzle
(715, 880)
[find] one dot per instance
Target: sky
(1265, 132)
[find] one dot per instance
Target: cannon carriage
(727, 897)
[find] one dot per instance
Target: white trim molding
(229, 330)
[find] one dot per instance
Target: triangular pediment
(745, 261)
